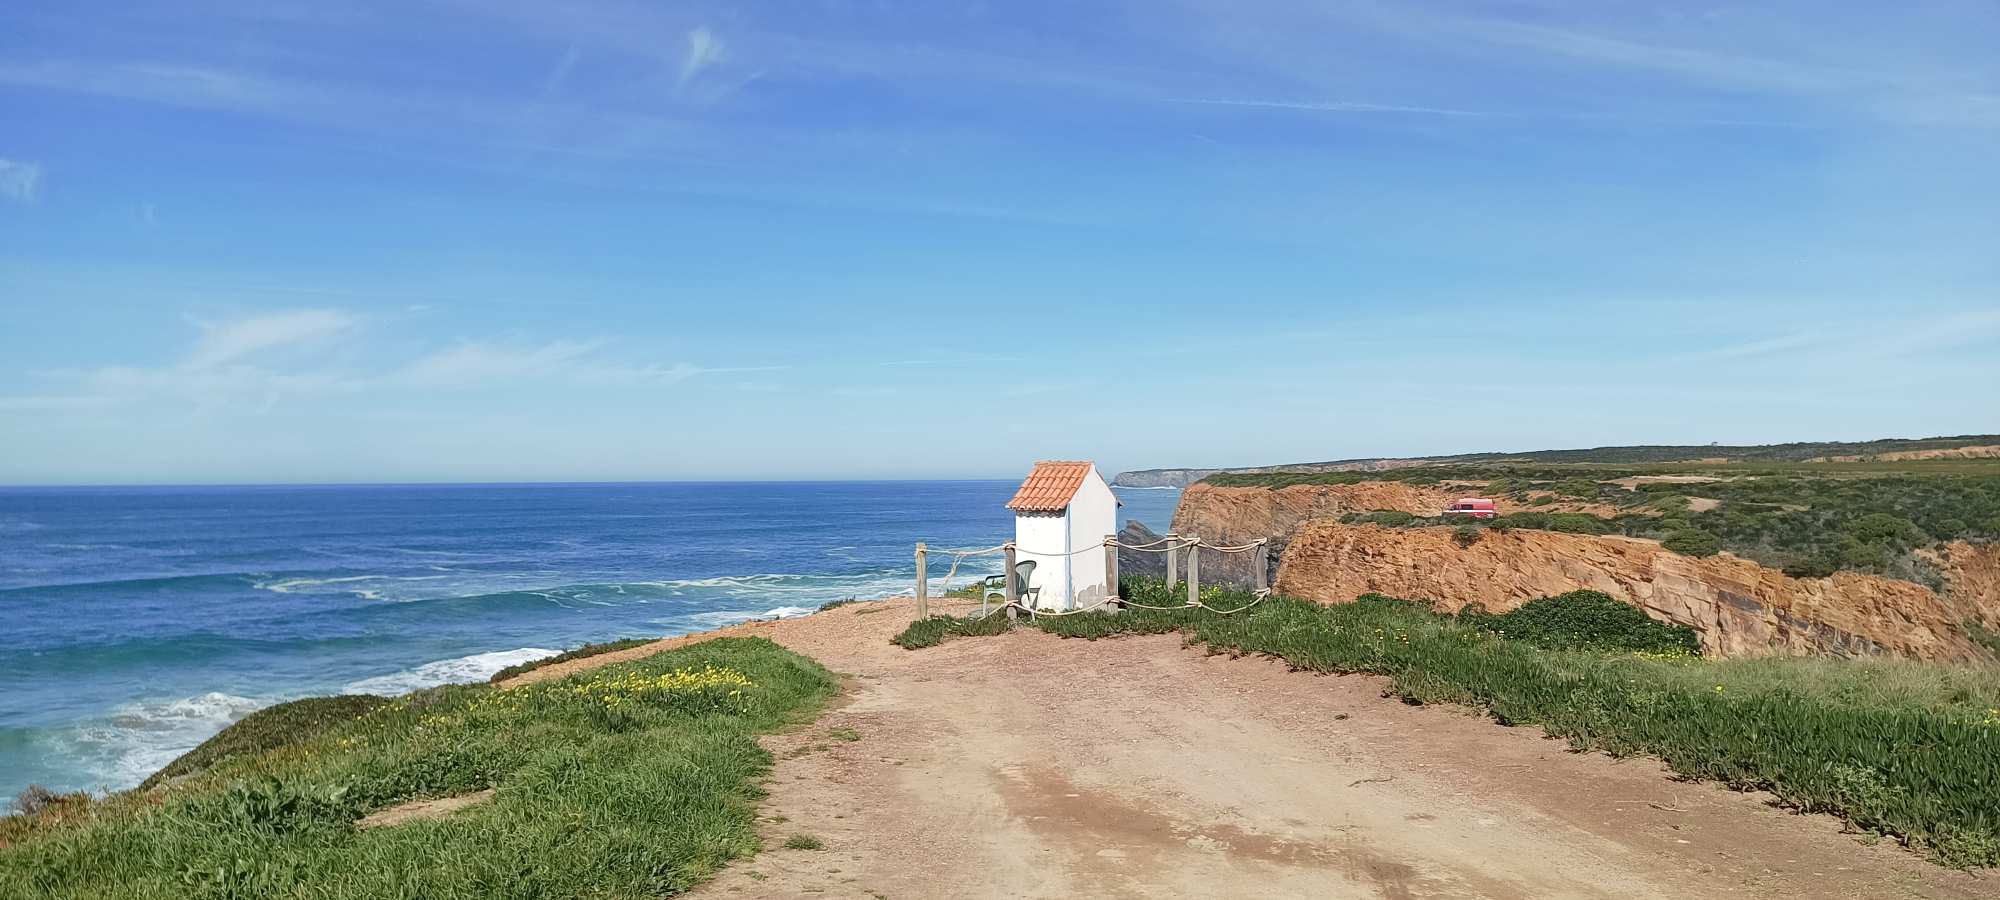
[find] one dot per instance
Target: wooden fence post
(1173, 545)
(1194, 570)
(1263, 563)
(1110, 568)
(1013, 585)
(923, 586)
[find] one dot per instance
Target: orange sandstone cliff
(1972, 578)
(1738, 607)
(1227, 516)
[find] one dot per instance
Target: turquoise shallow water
(139, 621)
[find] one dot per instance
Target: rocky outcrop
(1155, 478)
(1139, 563)
(1232, 516)
(1972, 579)
(1738, 607)
(1989, 451)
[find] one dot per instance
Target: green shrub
(1578, 523)
(1391, 518)
(1468, 533)
(1578, 488)
(1589, 620)
(1525, 519)
(1883, 528)
(1814, 566)
(1692, 542)
(584, 652)
(939, 628)
(1855, 554)
(1668, 502)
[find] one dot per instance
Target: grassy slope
(268, 729)
(583, 652)
(610, 784)
(1900, 748)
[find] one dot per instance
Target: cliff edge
(1738, 607)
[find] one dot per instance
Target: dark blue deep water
(136, 622)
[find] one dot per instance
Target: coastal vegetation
(584, 652)
(1666, 454)
(634, 780)
(268, 729)
(1897, 748)
(1808, 519)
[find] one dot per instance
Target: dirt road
(1030, 766)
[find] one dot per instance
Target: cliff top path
(1031, 766)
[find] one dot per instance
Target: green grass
(937, 629)
(636, 780)
(804, 842)
(1897, 748)
(268, 729)
(585, 651)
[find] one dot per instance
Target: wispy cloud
(1797, 62)
(703, 51)
(223, 343)
(254, 361)
(1340, 107)
(1764, 348)
(50, 403)
(19, 181)
(1360, 108)
(1895, 338)
(166, 83)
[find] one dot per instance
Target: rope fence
(1171, 545)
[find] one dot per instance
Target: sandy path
(1030, 766)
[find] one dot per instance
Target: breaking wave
(464, 669)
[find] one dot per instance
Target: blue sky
(540, 240)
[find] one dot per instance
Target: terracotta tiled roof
(1050, 486)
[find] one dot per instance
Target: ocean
(140, 621)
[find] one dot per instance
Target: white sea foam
(477, 667)
(138, 739)
(305, 585)
(721, 617)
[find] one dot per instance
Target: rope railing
(1172, 545)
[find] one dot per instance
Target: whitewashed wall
(1093, 516)
(1068, 549)
(1041, 538)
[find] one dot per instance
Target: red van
(1476, 507)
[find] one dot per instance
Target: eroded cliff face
(1738, 607)
(1972, 576)
(1236, 515)
(1227, 516)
